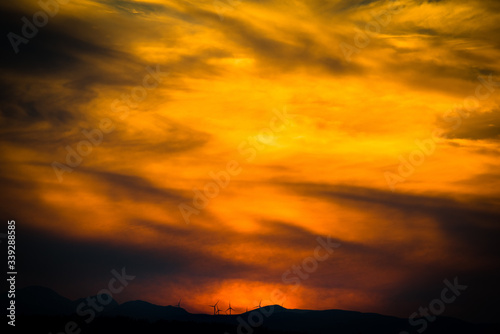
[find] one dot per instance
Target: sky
(206, 145)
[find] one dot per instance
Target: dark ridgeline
(42, 310)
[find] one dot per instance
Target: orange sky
(332, 167)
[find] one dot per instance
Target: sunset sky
(376, 123)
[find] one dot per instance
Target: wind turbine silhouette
(179, 303)
(259, 304)
(229, 308)
(214, 306)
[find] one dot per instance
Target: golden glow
(322, 173)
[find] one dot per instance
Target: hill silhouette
(42, 309)
(139, 309)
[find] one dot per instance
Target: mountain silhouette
(45, 308)
(139, 309)
(42, 301)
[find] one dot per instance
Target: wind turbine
(229, 308)
(214, 306)
(179, 303)
(259, 304)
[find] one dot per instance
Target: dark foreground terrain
(41, 310)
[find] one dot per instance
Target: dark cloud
(198, 65)
(134, 8)
(78, 268)
(171, 137)
(121, 186)
(472, 223)
(470, 230)
(185, 254)
(479, 126)
(59, 48)
(342, 6)
(297, 50)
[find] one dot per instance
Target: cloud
(461, 221)
(320, 174)
(479, 126)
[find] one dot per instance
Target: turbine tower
(214, 306)
(229, 308)
(179, 303)
(259, 304)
